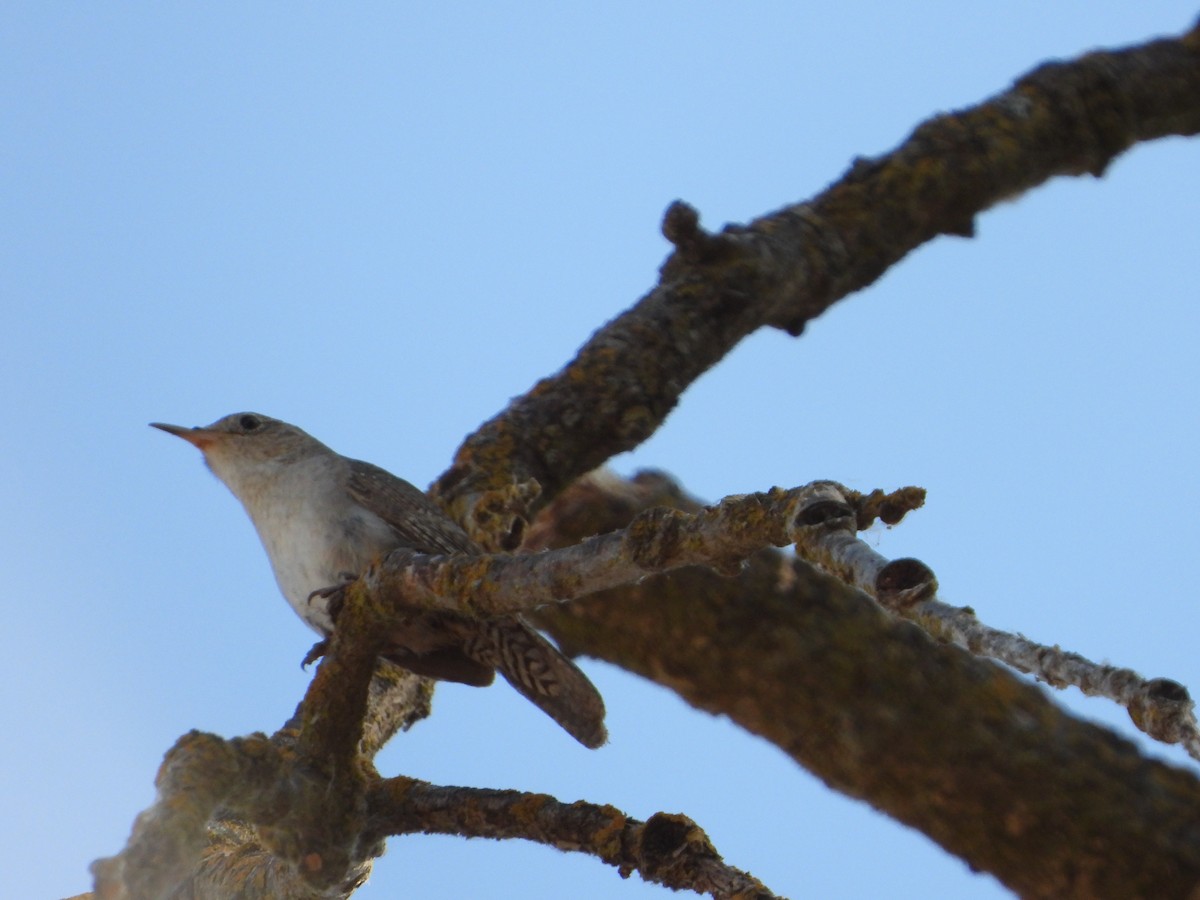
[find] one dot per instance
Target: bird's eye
(249, 423)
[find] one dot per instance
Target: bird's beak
(197, 437)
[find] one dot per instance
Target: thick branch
(173, 853)
(787, 267)
(282, 817)
(670, 850)
(952, 745)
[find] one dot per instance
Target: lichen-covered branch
(292, 853)
(667, 849)
(1160, 707)
(785, 268)
(978, 760)
(302, 793)
(955, 746)
(952, 745)
(719, 537)
(278, 817)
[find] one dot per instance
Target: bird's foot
(315, 652)
(333, 597)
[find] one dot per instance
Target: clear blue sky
(382, 222)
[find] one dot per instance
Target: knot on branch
(666, 840)
(681, 226)
(1163, 709)
(674, 851)
(498, 516)
(903, 583)
(823, 505)
(825, 511)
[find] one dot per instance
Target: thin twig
(1160, 707)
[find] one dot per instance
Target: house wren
(324, 519)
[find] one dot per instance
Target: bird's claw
(315, 652)
(334, 595)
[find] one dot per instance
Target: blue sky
(383, 222)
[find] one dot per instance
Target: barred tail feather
(541, 674)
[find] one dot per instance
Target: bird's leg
(333, 596)
(315, 652)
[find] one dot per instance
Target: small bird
(324, 519)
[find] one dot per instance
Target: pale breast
(314, 541)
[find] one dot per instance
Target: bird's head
(246, 445)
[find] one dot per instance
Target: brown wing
(419, 523)
(458, 648)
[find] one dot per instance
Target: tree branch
(821, 519)
(720, 537)
(785, 268)
(279, 817)
(175, 852)
(952, 745)
(1160, 707)
(670, 850)
(961, 749)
